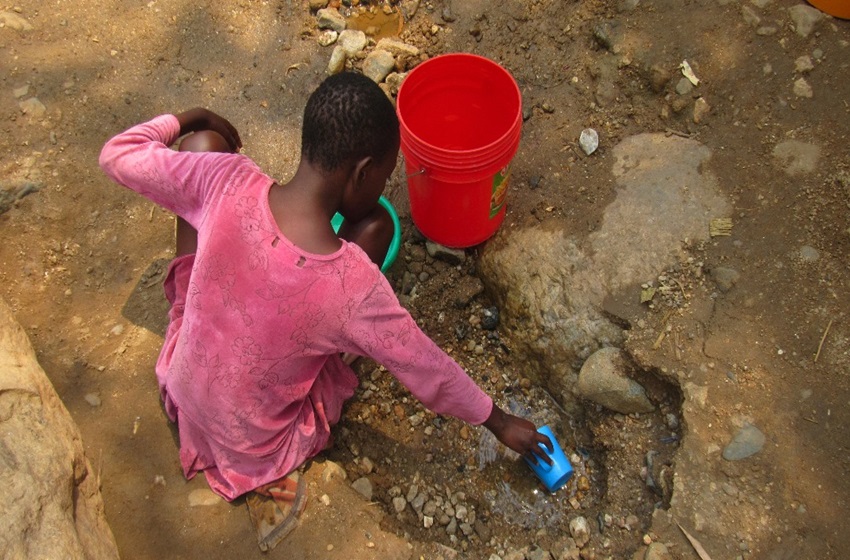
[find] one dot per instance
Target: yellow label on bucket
(500, 190)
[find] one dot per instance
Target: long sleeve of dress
(386, 332)
(140, 159)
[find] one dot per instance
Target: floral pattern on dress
(253, 370)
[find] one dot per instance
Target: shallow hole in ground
(440, 480)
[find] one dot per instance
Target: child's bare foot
(275, 507)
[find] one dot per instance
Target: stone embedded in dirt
(609, 36)
(333, 471)
(659, 77)
(93, 399)
(330, 18)
(446, 14)
(32, 107)
(804, 64)
(327, 37)
(747, 442)
(468, 288)
(409, 8)
(766, 30)
(364, 487)
(490, 318)
(445, 254)
(750, 16)
(809, 254)
(725, 278)
(316, 5)
(397, 48)
(352, 41)
(580, 531)
(378, 65)
(394, 81)
(566, 549)
(803, 89)
(336, 63)
(14, 21)
(588, 140)
(701, 110)
(603, 380)
(657, 551)
(538, 553)
(399, 503)
(805, 18)
(684, 86)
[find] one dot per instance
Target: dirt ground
(82, 260)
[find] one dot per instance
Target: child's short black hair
(347, 118)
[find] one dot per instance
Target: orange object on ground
(837, 8)
(274, 509)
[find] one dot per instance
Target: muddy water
(377, 25)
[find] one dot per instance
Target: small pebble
(588, 140)
(803, 89)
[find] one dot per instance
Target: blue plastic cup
(556, 475)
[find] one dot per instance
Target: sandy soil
(82, 260)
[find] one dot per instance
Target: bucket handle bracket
(415, 173)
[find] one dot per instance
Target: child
(265, 297)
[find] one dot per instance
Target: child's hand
(518, 434)
(199, 118)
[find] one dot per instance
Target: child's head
(346, 119)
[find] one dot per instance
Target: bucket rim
(449, 171)
(453, 157)
(405, 130)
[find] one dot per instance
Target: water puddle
(377, 24)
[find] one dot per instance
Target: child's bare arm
(199, 118)
(518, 434)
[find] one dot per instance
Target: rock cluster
(385, 61)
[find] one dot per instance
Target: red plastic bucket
(461, 117)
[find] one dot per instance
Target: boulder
(550, 287)
(53, 506)
(603, 380)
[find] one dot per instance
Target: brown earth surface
(82, 260)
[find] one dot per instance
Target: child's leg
(373, 233)
(201, 141)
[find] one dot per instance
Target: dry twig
(820, 346)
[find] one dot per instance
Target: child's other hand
(518, 434)
(199, 118)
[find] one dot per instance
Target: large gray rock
(550, 291)
(52, 506)
(603, 379)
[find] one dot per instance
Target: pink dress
(250, 368)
